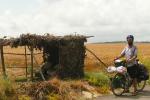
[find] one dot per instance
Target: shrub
(6, 88)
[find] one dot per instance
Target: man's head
(130, 39)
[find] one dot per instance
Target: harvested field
(106, 52)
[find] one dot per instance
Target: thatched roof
(39, 41)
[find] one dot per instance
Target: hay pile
(64, 90)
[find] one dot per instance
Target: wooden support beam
(32, 65)
(2, 61)
(18, 67)
(26, 63)
(20, 54)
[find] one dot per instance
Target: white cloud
(110, 19)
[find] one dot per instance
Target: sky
(106, 20)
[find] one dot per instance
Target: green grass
(24, 97)
(146, 62)
(100, 80)
(97, 78)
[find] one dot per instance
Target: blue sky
(107, 20)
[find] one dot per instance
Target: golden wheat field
(105, 51)
(108, 51)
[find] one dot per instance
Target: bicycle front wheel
(118, 84)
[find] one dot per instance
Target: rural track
(145, 95)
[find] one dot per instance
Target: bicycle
(122, 81)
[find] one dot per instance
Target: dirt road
(145, 95)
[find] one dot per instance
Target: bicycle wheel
(141, 85)
(118, 84)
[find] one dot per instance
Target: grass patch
(97, 78)
(146, 62)
(100, 80)
(24, 97)
(103, 90)
(53, 96)
(6, 89)
(21, 79)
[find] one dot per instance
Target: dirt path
(145, 95)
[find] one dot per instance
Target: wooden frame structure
(68, 52)
(2, 60)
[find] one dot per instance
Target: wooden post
(26, 63)
(2, 61)
(32, 62)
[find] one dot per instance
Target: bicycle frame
(126, 83)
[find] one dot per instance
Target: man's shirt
(129, 52)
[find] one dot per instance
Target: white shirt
(129, 52)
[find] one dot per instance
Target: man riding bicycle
(130, 53)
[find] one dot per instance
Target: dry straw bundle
(65, 90)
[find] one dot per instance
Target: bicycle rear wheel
(118, 84)
(141, 85)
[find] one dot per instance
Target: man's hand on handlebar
(116, 58)
(128, 60)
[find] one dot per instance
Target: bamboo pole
(2, 61)
(96, 57)
(32, 50)
(26, 63)
(21, 54)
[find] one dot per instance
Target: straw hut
(62, 55)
